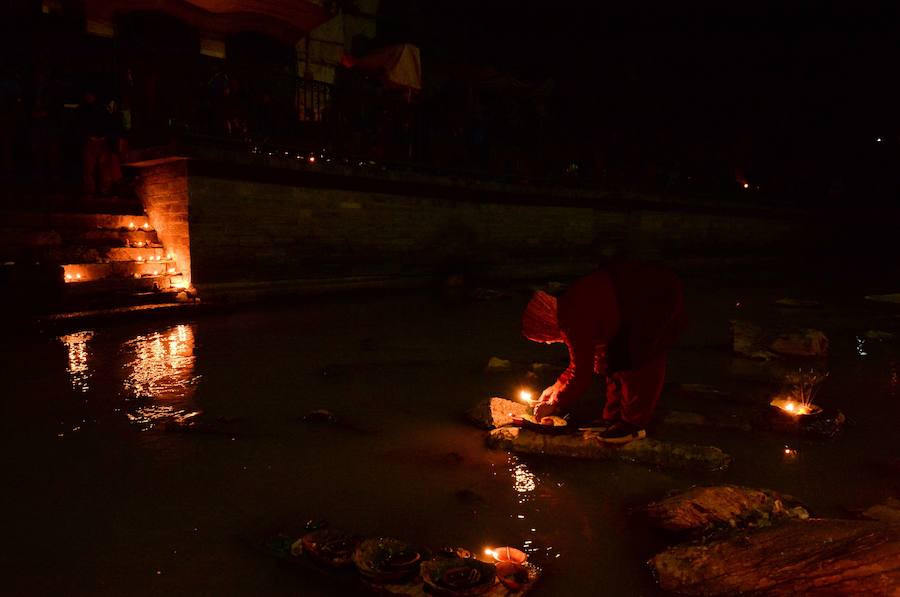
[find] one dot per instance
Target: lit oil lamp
(77, 276)
(795, 407)
(171, 270)
(526, 396)
(139, 258)
(146, 226)
(68, 277)
(506, 554)
(131, 226)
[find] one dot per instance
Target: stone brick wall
(162, 187)
(257, 232)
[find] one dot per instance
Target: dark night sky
(788, 94)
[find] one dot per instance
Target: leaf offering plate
(384, 559)
(458, 577)
(330, 547)
(513, 576)
(544, 425)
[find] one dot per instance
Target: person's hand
(544, 409)
(549, 394)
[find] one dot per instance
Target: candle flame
(525, 395)
(489, 552)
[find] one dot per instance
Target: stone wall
(162, 187)
(248, 230)
(235, 227)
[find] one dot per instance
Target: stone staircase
(81, 261)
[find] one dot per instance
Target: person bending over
(618, 322)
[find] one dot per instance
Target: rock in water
(804, 343)
(814, 557)
(496, 412)
(702, 509)
(752, 341)
(887, 511)
(586, 444)
(496, 364)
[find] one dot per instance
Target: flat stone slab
(496, 412)
(586, 444)
(812, 557)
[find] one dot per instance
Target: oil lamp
(525, 395)
(795, 408)
(506, 554)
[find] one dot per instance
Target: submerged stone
(752, 341)
(586, 444)
(813, 557)
(701, 509)
(886, 511)
(495, 364)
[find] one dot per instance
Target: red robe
(621, 318)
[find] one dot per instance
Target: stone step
(75, 273)
(117, 288)
(73, 221)
(115, 237)
(147, 254)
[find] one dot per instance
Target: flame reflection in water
(159, 373)
(78, 369)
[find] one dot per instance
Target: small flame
(490, 552)
(77, 276)
(131, 225)
(139, 258)
(312, 159)
(789, 407)
(146, 226)
(525, 395)
(171, 270)
(68, 276)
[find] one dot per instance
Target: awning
(399, 66)
(286, 20)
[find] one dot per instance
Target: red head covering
(539, 322)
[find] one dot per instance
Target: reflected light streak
(160, 372)
(78, 368)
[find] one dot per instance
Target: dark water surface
(100, 499)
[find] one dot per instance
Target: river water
(101, 499)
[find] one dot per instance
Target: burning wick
(139, 258)
(525, 395)
(131, 225)
(68, 276)
(146, 226)
(77, 276)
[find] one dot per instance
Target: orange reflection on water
(162, 365)
(78, 369)
(159, 375)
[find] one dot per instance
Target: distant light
(878, 140)
(312, 159)
(746, 185)
(77, 276)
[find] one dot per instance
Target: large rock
(814, 557)
(702, 509)
(586, 444)
(496, 412)
(802, 343)
(752, 341)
